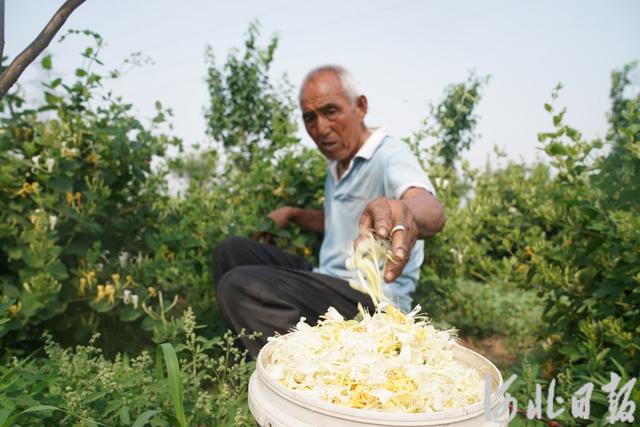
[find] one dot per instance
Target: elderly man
(373, 182)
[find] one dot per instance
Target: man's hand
(281, 216)
(418, 214)
(382, 215)
(311, 219)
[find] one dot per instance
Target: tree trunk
(22, 61)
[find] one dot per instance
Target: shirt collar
(365, 152)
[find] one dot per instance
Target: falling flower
(53, 221)
(368, 259)
(134, 301)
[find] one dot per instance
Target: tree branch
(22, 61)
(1, 29)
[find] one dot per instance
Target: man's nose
(323, 126)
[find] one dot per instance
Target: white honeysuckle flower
(15, 155)
(53, 221)
(134, 301)
(513, 209)
(36, 160)
(50, 163)
(343, 361)
(122, 258)
(127, 296)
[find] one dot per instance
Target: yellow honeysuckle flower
(153, 292)
(83, 283)
(91, 277)
(14, 309)
(129, 280)
(69, 152)
(101, 293)
(27, 188)
(73, 198)
(110, 293)
(92, 158)
(116, 278)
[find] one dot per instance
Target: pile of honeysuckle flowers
(386, 361)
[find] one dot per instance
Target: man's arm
(418, 212)
(426, 209)
(311, 219)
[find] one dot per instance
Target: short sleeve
(402, 171)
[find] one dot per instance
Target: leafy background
(100, 262)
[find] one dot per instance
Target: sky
(402, 53)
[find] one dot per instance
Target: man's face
(332, 121)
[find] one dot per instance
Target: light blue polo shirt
(382, 167)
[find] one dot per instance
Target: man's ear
(362, 106)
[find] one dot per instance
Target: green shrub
(87, 388)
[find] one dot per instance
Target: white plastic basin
(274, 405)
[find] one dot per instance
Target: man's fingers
(401, 248)
(366, 222)
(380, 213)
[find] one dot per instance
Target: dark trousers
(261, 288)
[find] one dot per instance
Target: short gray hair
(351, 88)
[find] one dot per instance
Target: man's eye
(331, 112)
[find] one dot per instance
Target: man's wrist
(293, 213)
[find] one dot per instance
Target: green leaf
(4, 414)
(123, 413)
(46, 62)
(15, 253)
(129, 314)
(80, 72)
(555, 148)
(173, 375)
(51, 98)
(61, 183)
(37, 408)
(144, 418)
(58, 270)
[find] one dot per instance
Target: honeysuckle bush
(80, 208)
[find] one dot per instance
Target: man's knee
(228, 247)
(224, 254)
(238, 284)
